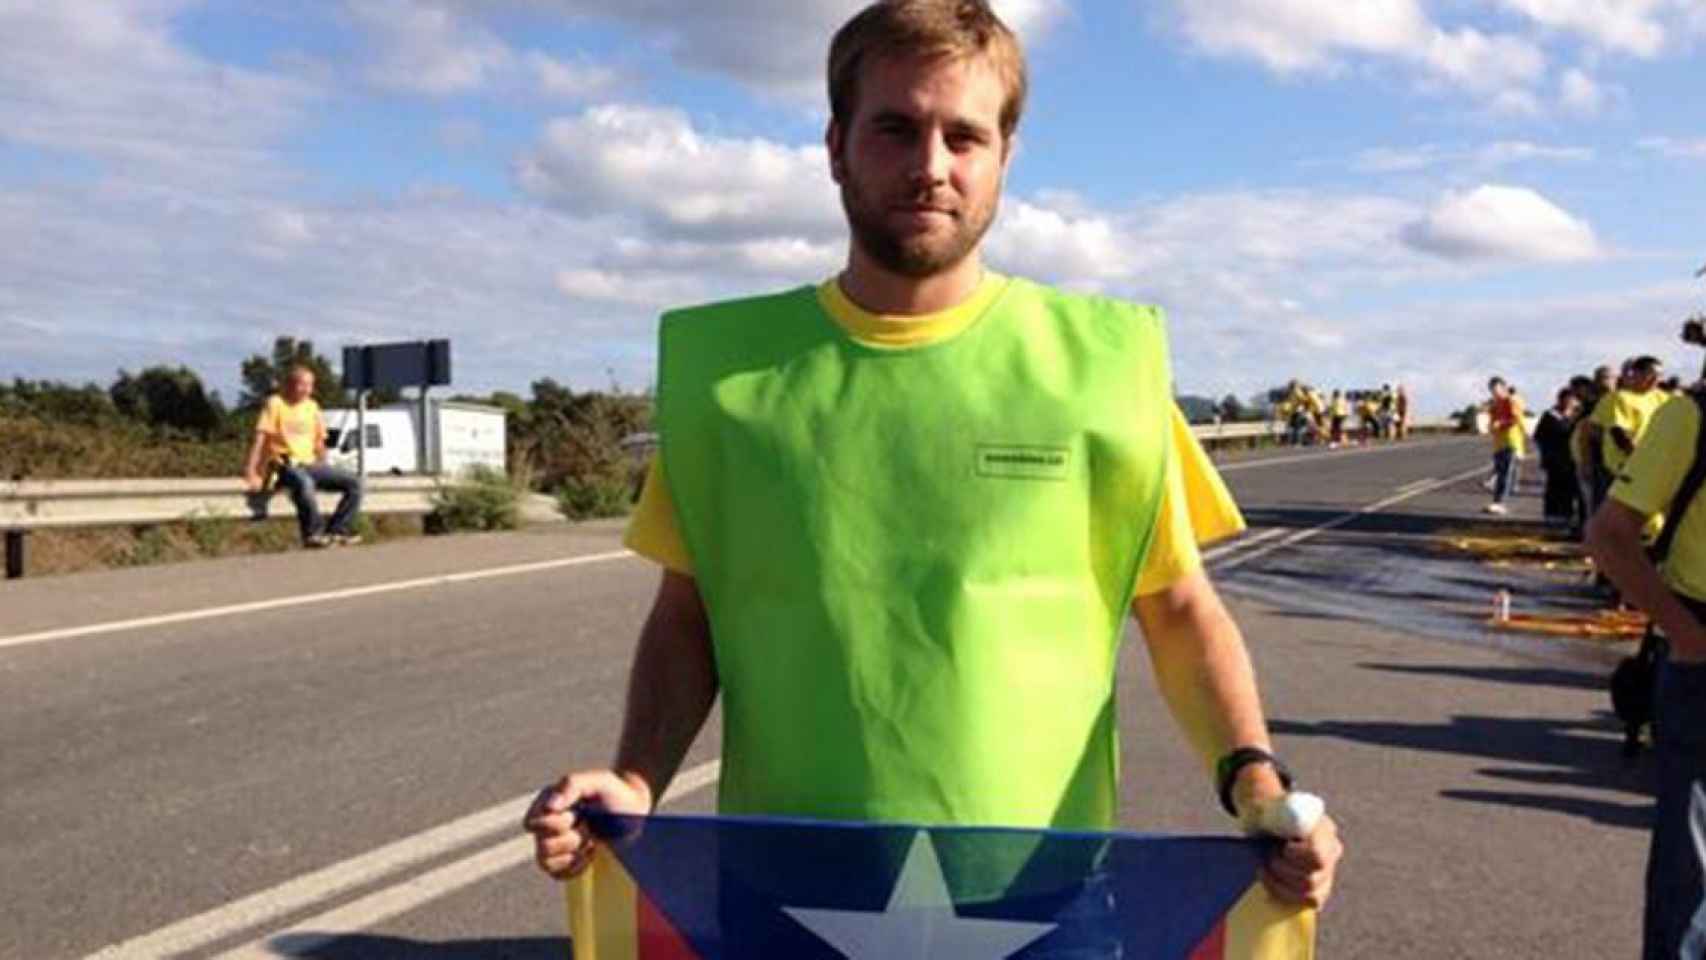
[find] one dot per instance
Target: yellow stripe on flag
(1262, 928)
(602, 903)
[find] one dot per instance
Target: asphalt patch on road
(1437, 578)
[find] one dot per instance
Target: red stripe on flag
(1213, 946)
(658, 938)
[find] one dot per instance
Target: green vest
(917, 563)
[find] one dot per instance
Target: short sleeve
(652, 530)
(268, 422)
(1196, 510)
(1651, 477)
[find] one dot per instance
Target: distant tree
(1197, 409)
(56, 402)
(263, 376)
(1232, 409)
(166, 397)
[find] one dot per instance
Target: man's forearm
(252, 463)
(671, 688)
(1203, 669)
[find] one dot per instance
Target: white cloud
(1493, 156)
(435, 48)
(1675, 149)
(775, 46)
(1296, 36)
(1580, 93)
(1502, 223)
(1626, 26)
(107, 81)
(652, 163)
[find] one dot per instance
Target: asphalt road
(324, 755)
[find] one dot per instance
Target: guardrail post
(15, 554)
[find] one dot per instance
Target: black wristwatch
(1226, 772)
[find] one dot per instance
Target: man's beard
(911, 254)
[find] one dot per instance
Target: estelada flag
(722, 888)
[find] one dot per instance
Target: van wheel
(396, 472)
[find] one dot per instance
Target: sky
(1418, 191)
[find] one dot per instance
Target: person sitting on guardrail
(290, 441)
(1660, 477)
(906, 512)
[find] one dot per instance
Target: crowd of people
(1308, 417)
(1624, 458)
(1584, 438)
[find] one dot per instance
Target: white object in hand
(1291, 817)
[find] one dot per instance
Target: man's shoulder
(1021, 289)
(739, 308)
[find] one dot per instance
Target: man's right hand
(561, 845)
(251, 481)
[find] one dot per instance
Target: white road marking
(1242, 543)
(1331, 455)
(1333, 524)
(320, 886)
(280, 603)
(1406, 488)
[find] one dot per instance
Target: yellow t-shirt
(1514, 435)
(1650, 480)
(1629, 410)
(292, 430)
(1196, 507)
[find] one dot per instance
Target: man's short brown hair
(951, 29)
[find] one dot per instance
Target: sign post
(421, 363)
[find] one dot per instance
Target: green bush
(592, 499)
(485, 500)
(212, 534)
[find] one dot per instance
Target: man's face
(1641, 381)
(921, 161)
(1498, 390)
(298, 387)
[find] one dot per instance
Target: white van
(460, 436)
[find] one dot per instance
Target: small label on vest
(1024, 463)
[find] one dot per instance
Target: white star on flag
(919, 922)
(1694, 942)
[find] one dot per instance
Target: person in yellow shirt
(1509, 440)
(925, 100)
(1659, 476)
(290, 438)
(1622, 415)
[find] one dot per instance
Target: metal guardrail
(58, 504)
(64, 504)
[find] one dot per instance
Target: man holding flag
(903, 514)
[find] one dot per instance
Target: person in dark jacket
(1552, 436)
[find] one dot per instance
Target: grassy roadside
(58, 552)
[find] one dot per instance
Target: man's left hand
(1302, 871)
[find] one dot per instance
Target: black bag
(1632, 682)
